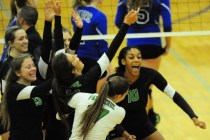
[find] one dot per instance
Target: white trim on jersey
(120, 3)
(3, 85)
(42, 68)
(170, 91)
(99, 32)
(25, 93)
(103, 63)
(165, 6)
(58, 117)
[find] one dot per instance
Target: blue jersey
(4, 52)
(94, 23)
(148, 21)
(12, 23)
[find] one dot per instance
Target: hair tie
(110, 86)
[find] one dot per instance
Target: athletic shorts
(140, 132)
(151, 51)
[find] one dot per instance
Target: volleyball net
(189, 18)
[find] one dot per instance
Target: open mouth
(135, 67)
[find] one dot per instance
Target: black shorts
(56, 130)
(151, 51)
(140, 132)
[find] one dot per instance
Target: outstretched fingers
(77, 19)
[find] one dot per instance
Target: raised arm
(75, 41)
(107, 57)
(47, 40)
(130, 18)
(58, 33)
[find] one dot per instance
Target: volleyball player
(140, 78)
(55, 128)
(152, 49)
(17, 42)
(22, 104)
(96, 115)
(95, 23)
(68, 77)
(14, 6)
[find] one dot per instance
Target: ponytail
(91, 115)
(61, 95)
(79, 3)
(13, 10)
(13, 6)
(114, 86)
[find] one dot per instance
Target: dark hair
(122, 55)
(62, 69)
(134, 4)
(19, 3)
(79, 3)
(11, 77)
(116, 85)
(10, 35)
(63, 76)
(29, 14)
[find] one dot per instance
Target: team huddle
(61, 87)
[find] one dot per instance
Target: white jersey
(111, 114)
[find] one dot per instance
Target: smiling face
(27, 73)
(132, 62)
(20, 43)
(77, 64)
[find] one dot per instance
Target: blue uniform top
(94, 23)
(148, 21)
(4, 52)
(12, 23)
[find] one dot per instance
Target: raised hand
(131, 17)
(48, 10)
(199, 123)
(77, 19)
(57, 7)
